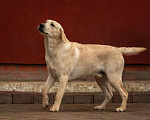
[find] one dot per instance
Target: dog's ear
(62, 35)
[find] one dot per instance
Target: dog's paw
(99, 108)
(45, 105)
(120, 110)
(54, 109)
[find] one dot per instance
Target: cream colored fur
(67, 60)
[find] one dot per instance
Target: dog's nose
(41, 26)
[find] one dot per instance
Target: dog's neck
(53, 47)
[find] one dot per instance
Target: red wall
(111, 22)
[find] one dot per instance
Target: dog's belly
(83, 71)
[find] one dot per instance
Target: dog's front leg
(50, 81)
(60, 92)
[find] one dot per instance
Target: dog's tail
(131, 50)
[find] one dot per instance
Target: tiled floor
(135, 111)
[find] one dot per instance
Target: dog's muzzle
(41, 27)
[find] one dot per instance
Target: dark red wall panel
(111, 22)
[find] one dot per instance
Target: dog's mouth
(41, 31)
(41, 27)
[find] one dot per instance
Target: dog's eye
(52, 25)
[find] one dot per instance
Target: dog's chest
(53, 68)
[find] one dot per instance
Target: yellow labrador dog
(67, 60)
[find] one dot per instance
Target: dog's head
(51, 29)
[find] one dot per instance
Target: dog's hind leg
(103, 84)
(116, 81)
(50, 81)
